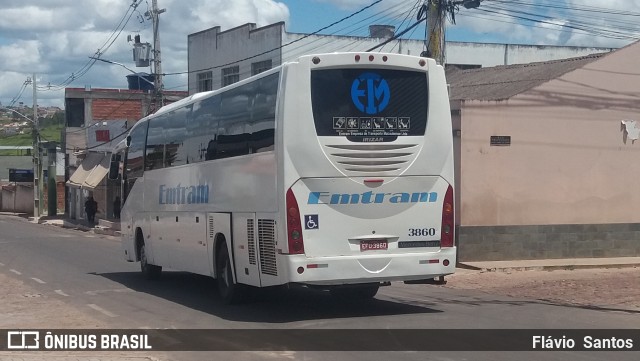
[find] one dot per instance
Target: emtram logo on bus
(189, 194)
(371, 198)
(370, 93)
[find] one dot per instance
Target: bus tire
(359, 293)
(230, 292)
(150, 271)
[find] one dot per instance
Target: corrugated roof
(506, 81)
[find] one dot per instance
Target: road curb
(468, 267)
(568, 267)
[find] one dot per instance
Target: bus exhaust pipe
(429, 281)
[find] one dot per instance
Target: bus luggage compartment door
(244, 248)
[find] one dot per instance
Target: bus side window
(263, 115)
(175, 134)
(134, 159)
(232, 138)
(135, 153)
(202, 129)
(155, 149)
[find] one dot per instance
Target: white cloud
(352, 5)
(21, 55)
(570, 13)
(55, 38)
(347, 4)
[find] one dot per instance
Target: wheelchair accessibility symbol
(311, 221)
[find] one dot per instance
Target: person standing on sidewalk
(91, 208)
(116, 208)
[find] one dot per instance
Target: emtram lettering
(370, 197)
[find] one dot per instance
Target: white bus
(334, 170)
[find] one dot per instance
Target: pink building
(547, 156)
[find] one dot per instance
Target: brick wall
(109, 109)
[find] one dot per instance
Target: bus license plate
(372, 245)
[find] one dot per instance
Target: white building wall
(330, 44)
(506, 54)
(213, 48)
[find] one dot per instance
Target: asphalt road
(87, 271)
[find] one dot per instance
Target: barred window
(205, 80)
(230, 75)
(260, 66)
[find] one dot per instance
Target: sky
(55, 38)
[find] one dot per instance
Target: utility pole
(436, 17)
(157, 60)
(437, 11)
(37, 159)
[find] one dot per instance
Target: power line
(101, 51)
(281, 46)
(17, 97)
(420, 18)
(567, 18)
(553, 5)
(589, 29)
(577, 23)
(416, 8)
(393, 12)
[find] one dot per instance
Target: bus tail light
(447, 229)
(294, 225)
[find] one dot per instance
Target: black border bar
(323, 340)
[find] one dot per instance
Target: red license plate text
(373, 245)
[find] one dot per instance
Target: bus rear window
(369, 105)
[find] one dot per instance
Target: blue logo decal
(370, 93)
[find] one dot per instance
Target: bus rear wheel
(150, 271)
(230, 292)
(356, 292)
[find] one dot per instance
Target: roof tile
(505, 81)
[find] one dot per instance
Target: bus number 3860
(422, 232)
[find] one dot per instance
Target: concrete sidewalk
(104, 226)
(552, 264)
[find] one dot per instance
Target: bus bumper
(371, 268)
